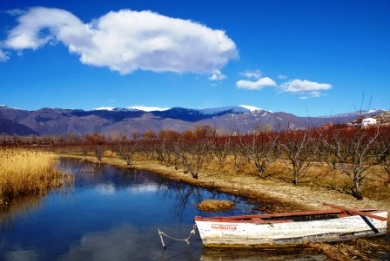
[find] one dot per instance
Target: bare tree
(99, 152)
(166, 148)
(237, 152)
(300, 148)
(191, 154)
(220, 149)
(204, 131)
(198, 151)
(97, 141)
(262, 149)
(353, 148)
(126, 150)
(382, 150)
(181, 155)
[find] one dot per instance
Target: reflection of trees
(187, 196)
(184, 195)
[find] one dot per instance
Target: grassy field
(24, 172)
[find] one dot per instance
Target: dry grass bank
(24, 172)
(276, 190)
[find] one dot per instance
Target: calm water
(113, 214)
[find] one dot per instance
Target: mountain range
(127, 121)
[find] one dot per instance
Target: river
(113, 214)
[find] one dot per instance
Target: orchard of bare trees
(350, 156)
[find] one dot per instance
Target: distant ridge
(8, 127)
(127, 121)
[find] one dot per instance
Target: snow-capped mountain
(243, 118)
(232, 109)
(357, 113)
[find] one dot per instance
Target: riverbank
(26, 172)
(275, 195)
(286, 197)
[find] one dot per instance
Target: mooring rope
(187, 239)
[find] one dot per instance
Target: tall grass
(213, 205)
(24, 172)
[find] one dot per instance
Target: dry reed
(25, 172)
(215, 205)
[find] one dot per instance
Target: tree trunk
(357, 192)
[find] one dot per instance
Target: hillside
(243, 119)
(8, 127)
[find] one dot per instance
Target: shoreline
(275, 196)
(291, 197)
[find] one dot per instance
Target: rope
(187, 239)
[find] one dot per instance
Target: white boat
(291, 229)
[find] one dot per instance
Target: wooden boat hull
(281, 232)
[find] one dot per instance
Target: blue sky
(309, 58)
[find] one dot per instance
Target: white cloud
(315, 94)
(127, 40)
(217, 76)
(252, 74)
(282, 77)
(304, 86)
(308, 88)
(15, 12)
(31, 34)
(3, 56)
(255, 85)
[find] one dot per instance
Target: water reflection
(109, 214)
(121, 243)
(18, 207)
